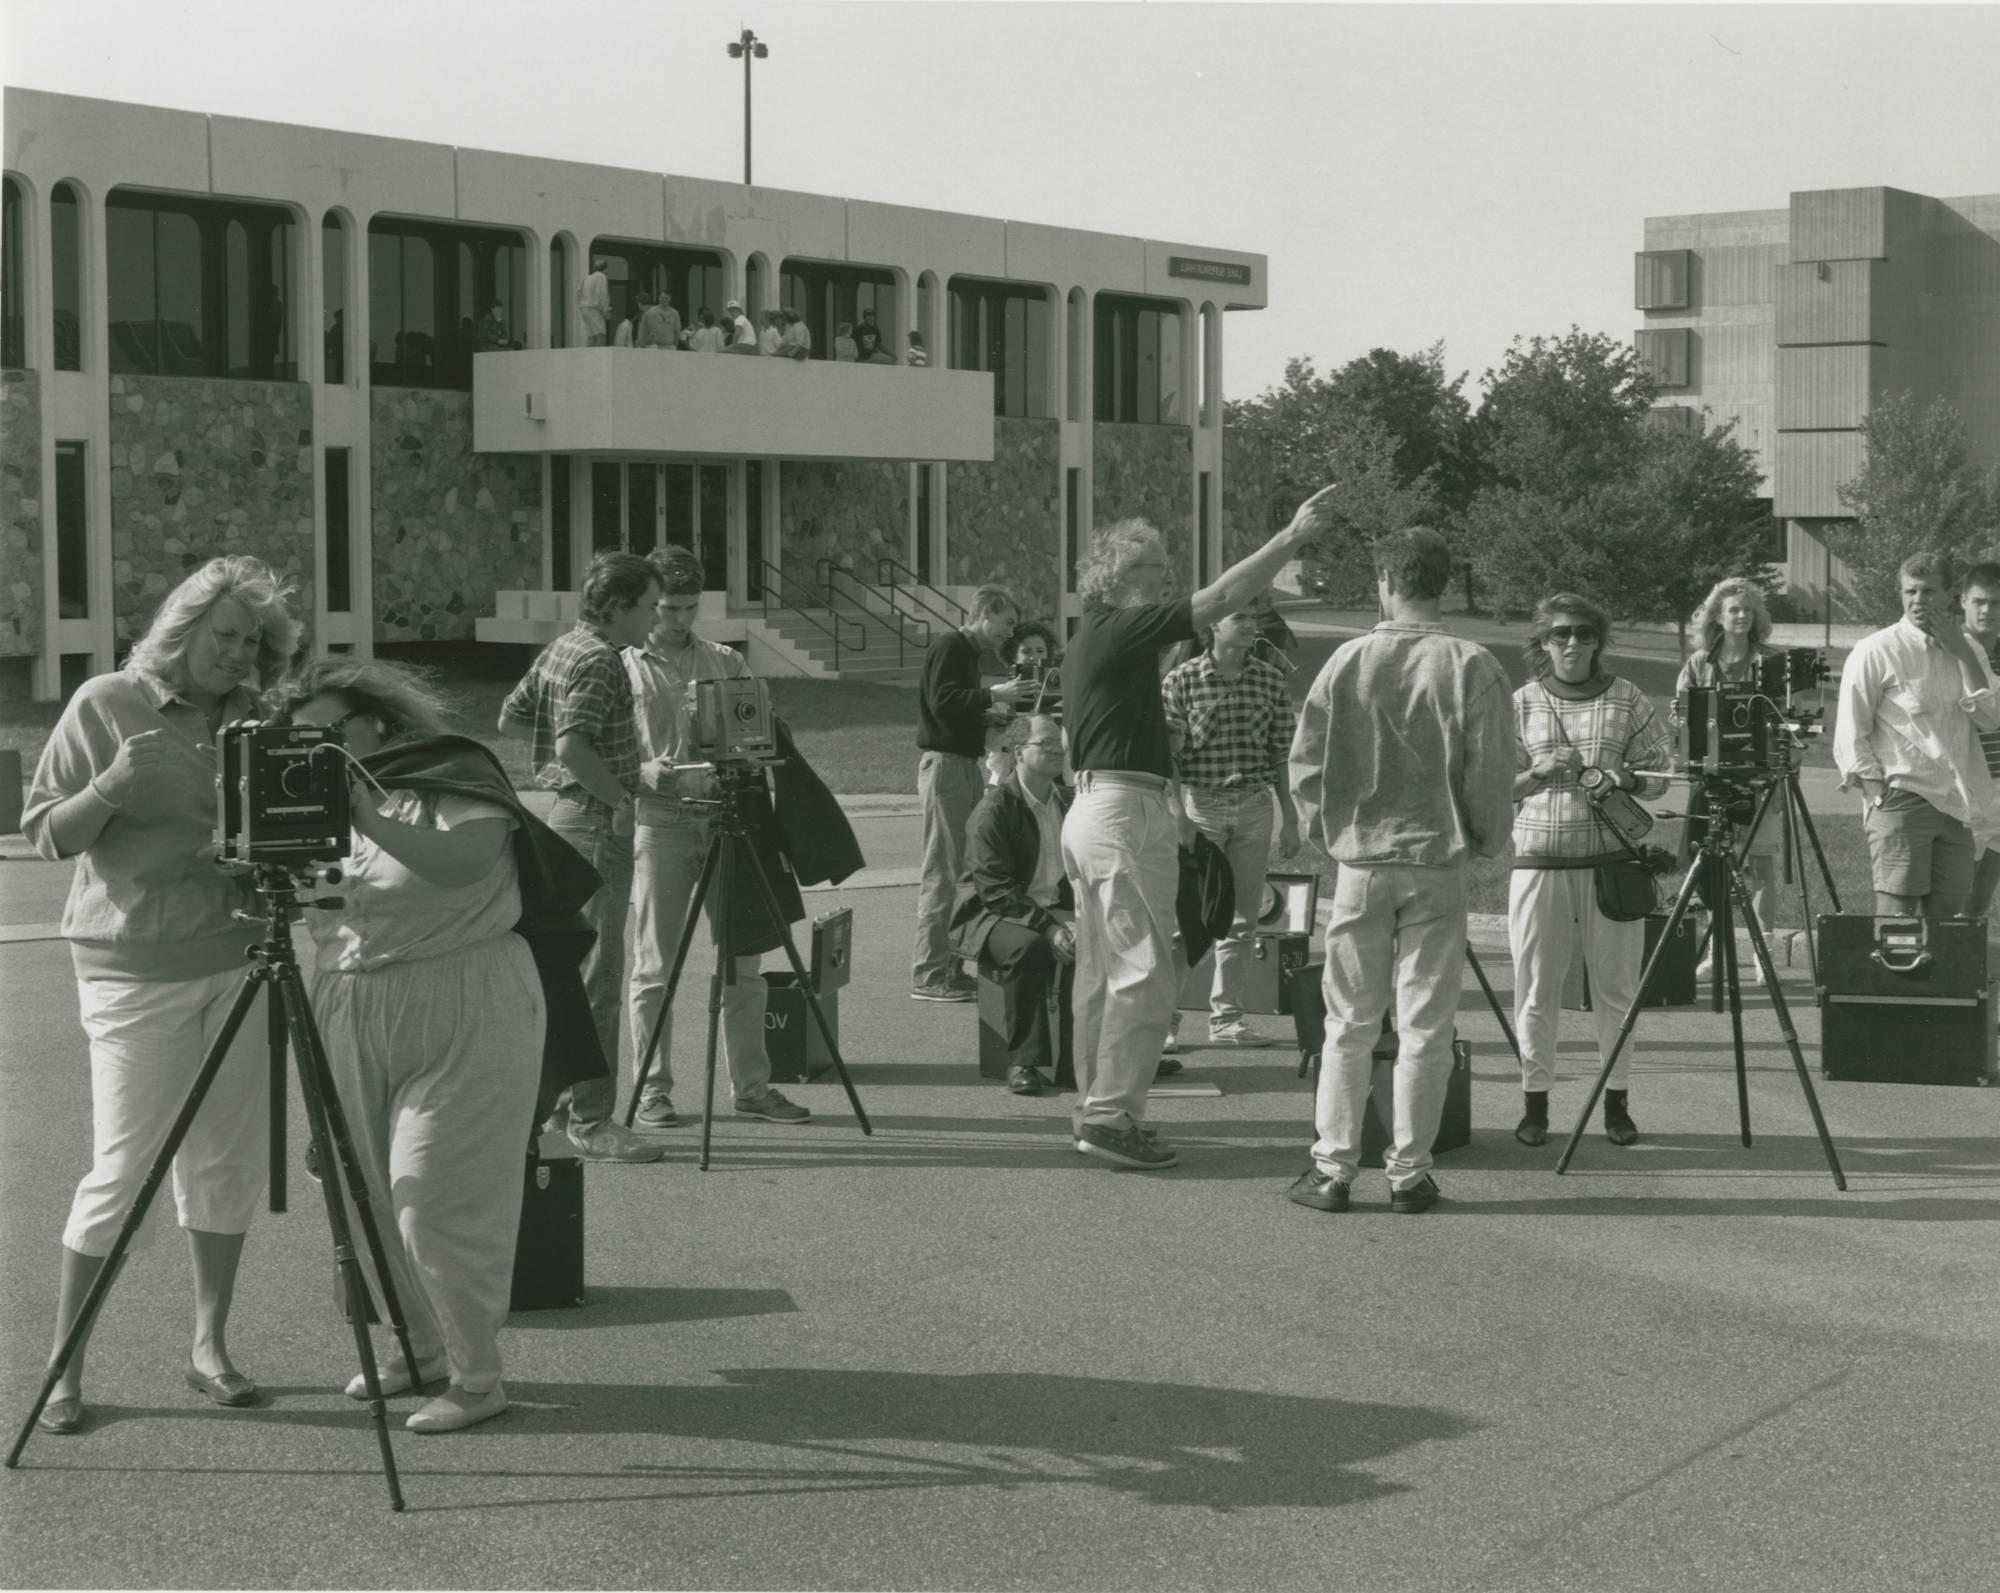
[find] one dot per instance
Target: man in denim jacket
(1402, 766)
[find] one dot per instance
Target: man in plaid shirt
(1231, 717)
(574, 707)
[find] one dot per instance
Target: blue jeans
(586, 824)
(948, 789)
(1240, 821)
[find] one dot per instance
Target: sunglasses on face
(1582, 635)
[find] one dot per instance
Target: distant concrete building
(1793, 322)
(360, 358)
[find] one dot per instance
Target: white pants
(1547, 908)
(436, 1063)
(147, 1040)
(1120, 848)
(666, 863)
(1397, 933)
(1240, 822)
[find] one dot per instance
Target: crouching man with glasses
(1015, 909)
(1120, 840)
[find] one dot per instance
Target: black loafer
(1025, 1081)
(1321, 1191)
(63, 1416)
(1417, 1197)
(1169, 1066)
(1532, 1131)
(1619, 1127)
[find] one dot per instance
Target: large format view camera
(1743, 729)
(283, 793)
(732, 722)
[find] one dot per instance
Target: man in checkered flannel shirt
(1231, 714)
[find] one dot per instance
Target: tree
(1390, 428)
(1917, 491)
(1587, 496)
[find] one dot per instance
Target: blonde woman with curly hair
(1731, 629)
(1121, 834)
(126, 787)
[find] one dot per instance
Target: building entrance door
(641, 504)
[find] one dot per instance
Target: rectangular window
(679, 494)
(753, 529)
(1137, 345)
(72, 533)
(1661, 279)
(926, 485)
(436, 295)
(715, 528)
(641, 507)
(1003, 328)
(827, 294)
(333, 290)
(65, 291)
(339, 536)
(560, 556)
(1204, 524)
(607, 506)
(13, 318)
(1667, 355)
(1072, 525)
(199, 287)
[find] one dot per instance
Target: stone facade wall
(853, 514)
(451, 527)
(1147, 473)
(1249, 495)
(20, 514)
(201, 467)
(1005, 519)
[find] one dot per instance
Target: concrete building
(1794, 322)
(363, 359)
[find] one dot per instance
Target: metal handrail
(883, 577)
(826, 572)
(768, 585)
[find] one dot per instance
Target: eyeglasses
(1582, 635)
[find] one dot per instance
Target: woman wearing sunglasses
(1573, 715)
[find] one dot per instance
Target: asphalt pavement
(955, 1354)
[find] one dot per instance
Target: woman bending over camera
(433, 1018)
(126, 786)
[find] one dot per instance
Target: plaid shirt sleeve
(1173, 698)
(588, 696)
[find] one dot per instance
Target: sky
(1414, 173)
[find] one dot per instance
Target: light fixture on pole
(747, 48)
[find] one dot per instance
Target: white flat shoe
(455, 1409)
(394, 1377)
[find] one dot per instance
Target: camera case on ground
(1906, 1000)
(792, 1041)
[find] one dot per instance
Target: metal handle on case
(1917, 959)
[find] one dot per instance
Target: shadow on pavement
(615, 1306)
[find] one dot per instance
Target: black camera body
(1733, 729)
(282, 793)
(1794, 669)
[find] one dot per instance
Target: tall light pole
(749, 48)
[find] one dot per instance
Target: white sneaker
(1238, 1035)
(1173, 1040)
(456, 1408)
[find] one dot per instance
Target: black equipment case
(1905, 1000)
(548, 1252)
(1286, 923)
(791, 1039)
(548, 1256)
(994, 1056)
(1308, 1004)
(1674, 986)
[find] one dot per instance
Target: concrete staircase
(874, 659)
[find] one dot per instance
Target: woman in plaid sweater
(1572, 716)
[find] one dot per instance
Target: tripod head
(739, 782)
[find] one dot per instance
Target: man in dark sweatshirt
(951, 737)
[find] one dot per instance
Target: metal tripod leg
(645, 1066)
(1653, 966)
(1791, 1034)
(107, 1272)
(1729, 977)
(721, 845)
(1492, 1001)
(805, 983)
(341, 1174)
